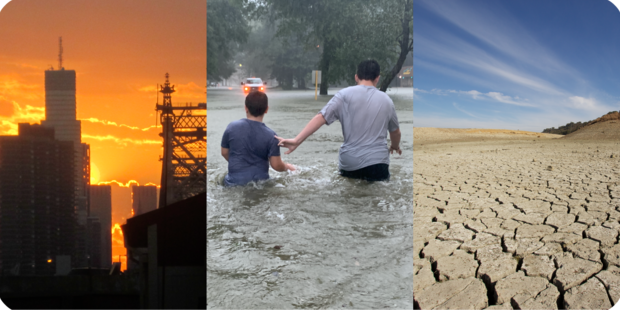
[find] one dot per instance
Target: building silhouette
(143, 199)
(101, 208)
(168, 247)
(94, 246)
(37, 199)
(60, 114)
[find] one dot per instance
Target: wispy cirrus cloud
(491, 61)
(448, 49)
(476, 95)
(499, 29)
(582, 103)
(456, 106)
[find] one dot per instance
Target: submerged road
(308, 239)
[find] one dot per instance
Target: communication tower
(60, 53)
(184, 162)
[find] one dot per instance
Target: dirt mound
(611, 116)
(603, 128)
(572, 126)
(434, 135)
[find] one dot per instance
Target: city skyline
(119, 54)
(81, 113)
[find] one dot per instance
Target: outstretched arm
(315, 123)
(278, 165)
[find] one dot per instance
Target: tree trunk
(301, 81)
(405, 47)
(287, 81)
(324, 66)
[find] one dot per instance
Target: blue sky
(528, 64)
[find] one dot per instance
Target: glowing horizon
(127, 184)
(119, 55)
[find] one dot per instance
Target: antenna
(156, 94)
(60, 54)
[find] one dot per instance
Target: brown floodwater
(310, 238)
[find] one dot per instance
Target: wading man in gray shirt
(366, 115)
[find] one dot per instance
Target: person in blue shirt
(250, 146)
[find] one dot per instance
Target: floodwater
(310, 238)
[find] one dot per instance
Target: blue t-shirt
(250, 145)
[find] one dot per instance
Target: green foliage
(227, 28)
(404, 39)
(283, 57)
(572, 127)
(254, 53)
(347, 31)
(566, 129)
(292, 61)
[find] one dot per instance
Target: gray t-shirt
(366, 115)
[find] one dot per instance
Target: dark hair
(256, 102)
(368, 70)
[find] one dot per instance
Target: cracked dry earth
(520, 224)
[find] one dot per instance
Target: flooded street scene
(321, 215)
(308, 238)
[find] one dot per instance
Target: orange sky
(120, 50)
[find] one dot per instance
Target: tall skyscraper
(37, 199)
(94, 242)
(101, 207)
(60, 105)
(60, 114)
(143, 199)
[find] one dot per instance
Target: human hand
(397, 149)
(290, 167)
(291, 144)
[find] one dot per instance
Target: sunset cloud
(148, 89)
(128, 184)
(11, 87)
(6, 107)
(121, 141)
(189, 90)
(115, 79)
(25, 65)
(110, 123)
(27, 114)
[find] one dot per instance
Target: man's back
(250, 145)
(366, 115)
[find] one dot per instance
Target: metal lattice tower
(184, 163)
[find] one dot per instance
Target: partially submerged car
(253, 84)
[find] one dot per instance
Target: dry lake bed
(515, 220)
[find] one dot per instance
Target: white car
(253, 84)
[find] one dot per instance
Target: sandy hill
(598, 130)
(434, 135)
